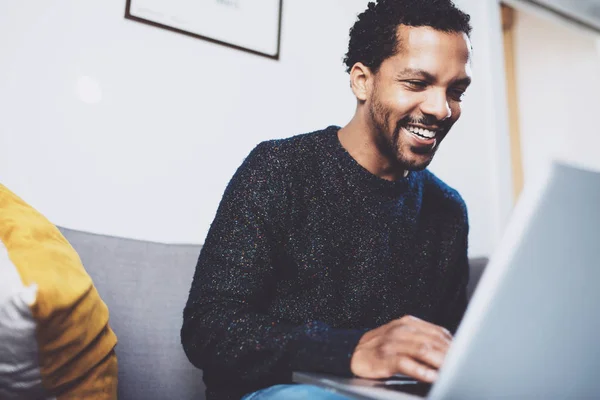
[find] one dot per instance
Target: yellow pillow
(55, 341)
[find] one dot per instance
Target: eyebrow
(411, 72)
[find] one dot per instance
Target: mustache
(427, 120)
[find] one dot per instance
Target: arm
(455, 299)
(225, 327)
(414, 347)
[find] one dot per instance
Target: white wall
(177, 115)
(475, 158)
(558, 80)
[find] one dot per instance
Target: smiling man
(337, 251)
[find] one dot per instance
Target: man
(336, 251)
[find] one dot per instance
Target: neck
(359, 138)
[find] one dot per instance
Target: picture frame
(253, 26)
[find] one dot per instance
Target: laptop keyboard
(418, 389)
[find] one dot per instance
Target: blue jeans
(294, 392)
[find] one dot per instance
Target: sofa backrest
(476, 269)
(145, 286)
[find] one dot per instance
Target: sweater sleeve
(455, 301)
(225, 326)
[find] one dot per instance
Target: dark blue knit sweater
(308, 250)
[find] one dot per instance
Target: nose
(436, 105)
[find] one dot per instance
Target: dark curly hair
(373, 38)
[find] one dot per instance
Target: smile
(421, 132)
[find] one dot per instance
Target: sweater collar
(359, 174)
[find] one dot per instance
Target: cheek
(456, 110)
(406, 99)
(403, 103)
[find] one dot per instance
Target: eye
(457, 94)
(418, 85)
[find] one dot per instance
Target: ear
(361, 81)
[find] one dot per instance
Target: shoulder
(301, 145)
(273, 164)
(441, 196)
(284, 154)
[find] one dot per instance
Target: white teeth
(422, 132)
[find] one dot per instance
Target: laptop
(532, 328)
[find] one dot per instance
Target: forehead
(443, 54)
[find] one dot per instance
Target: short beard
(395, 143)
(391, 147)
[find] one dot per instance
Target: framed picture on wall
(249, 25)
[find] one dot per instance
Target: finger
(434, 328)
(418, 347)
(428, 327)
(424, 352)
(416, 333)
(408, 366)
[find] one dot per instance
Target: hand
(408, 346)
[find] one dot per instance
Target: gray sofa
(145, 286)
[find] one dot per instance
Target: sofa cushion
(55, 341)
(146, 286)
